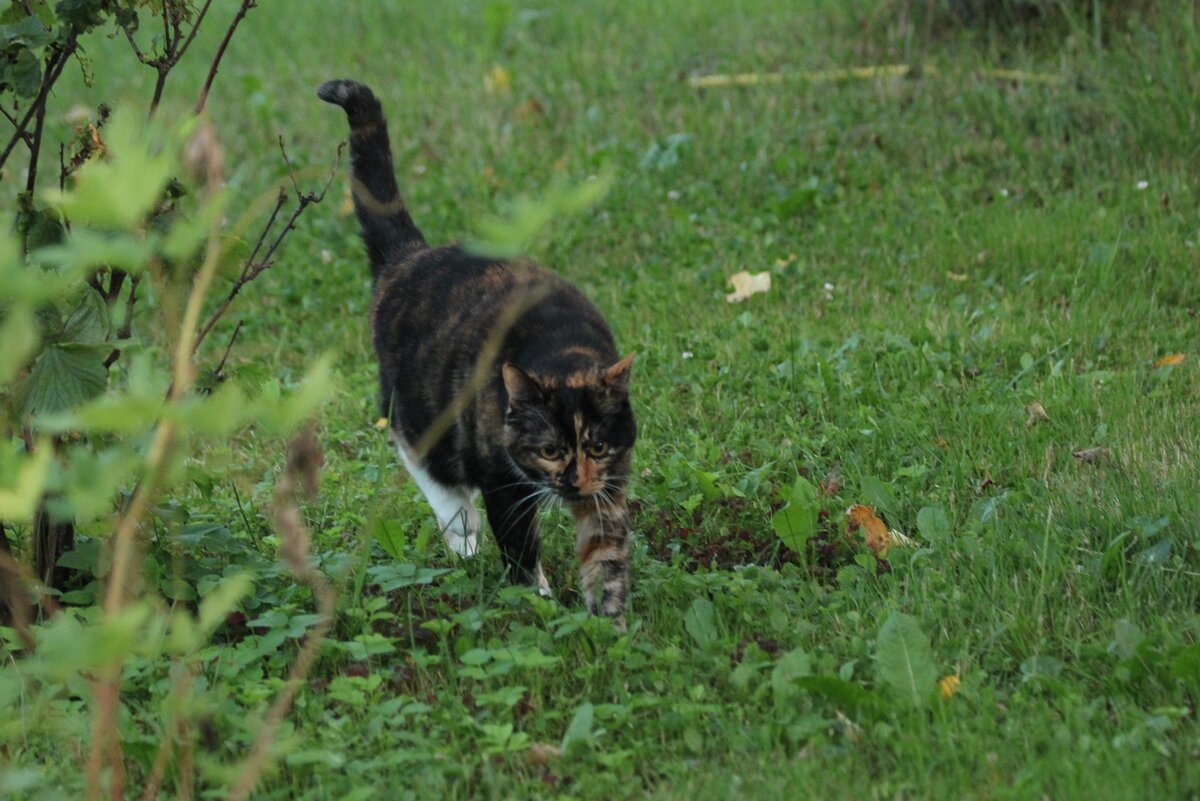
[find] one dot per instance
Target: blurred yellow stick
(860, 73)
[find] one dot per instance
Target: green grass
(944, 251)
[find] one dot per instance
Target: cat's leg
(512, 514)
(602, 543)
(454, 507)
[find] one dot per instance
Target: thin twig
(216, 62)
(304, 461)
(165, 440)
(228, 348)
(35, 147)
(253, 266)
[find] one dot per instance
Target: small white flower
(828, 287)
(1003, 192)
(687, 354)
(672, 195)
(1143, 184)
(326, 257)
(419, 169)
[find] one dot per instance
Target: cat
(499, 378)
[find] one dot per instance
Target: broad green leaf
(221, 601)
(933, 524)
(390, 536)
(19, 333)
(700, 622)
(117, 414)
(580, 729)
(90, 480)
(63, 377)
(507, 237)
(797, 522)
(791, 666)
(87, 323)
(20, 501)
(879, 496)
(85, 556)
(25, 73)
(85, 249)
(188, 234)
(283, 414)
(905, 659)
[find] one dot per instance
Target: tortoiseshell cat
(499, 378)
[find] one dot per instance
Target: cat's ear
(617, 376)
(521, 388)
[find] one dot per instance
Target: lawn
(981, 283)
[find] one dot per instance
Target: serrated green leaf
(905, 659)
(87, 323)
(507, 237)
(117, 192)
(390, 536)
(63, 377)
(19, 333)
(796, 522)
(283, 415)
(25, 74)
(85, 249)
(187, 234)
(19, 501)
(791, 666)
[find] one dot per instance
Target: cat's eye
(550, 452)
(597, 449)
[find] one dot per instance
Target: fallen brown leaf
(1092, 455)
(1170, 360)
(746, 284)
(542, 754)
(1037, 414)
(497, 81)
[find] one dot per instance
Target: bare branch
(254, 266)
(216, 62)
(127, 324)
(195, 27)
(53, 69)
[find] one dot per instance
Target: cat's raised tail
(387, 229)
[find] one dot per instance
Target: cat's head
(571, 433)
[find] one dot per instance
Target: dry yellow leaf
(949, 685)
(1037, 414)
(1170, 361)
(497, 81)
(541, 754)
(746, 284)
(381, 423)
